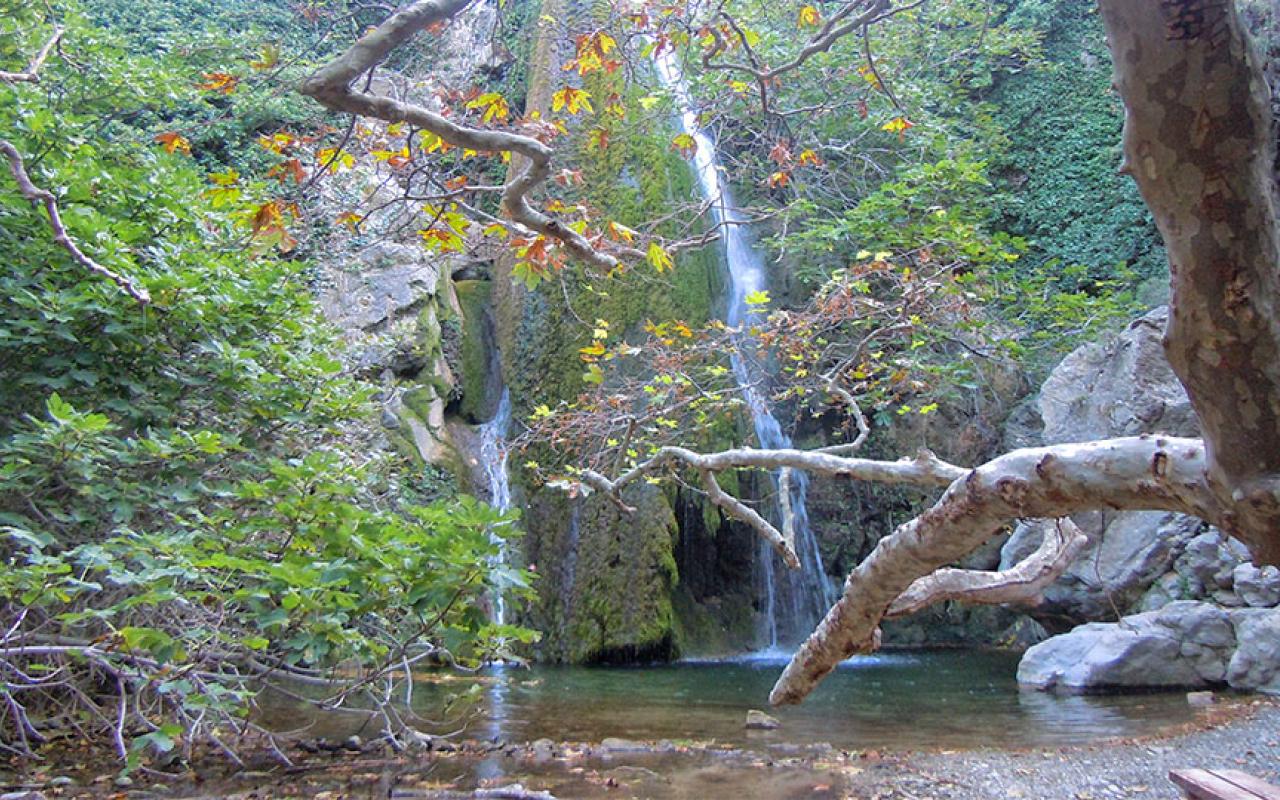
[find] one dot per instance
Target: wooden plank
(1250, 783)
(1201, 784)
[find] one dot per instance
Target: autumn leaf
(494, 105)
(760, 298)
(781, 153)
(685, 144)
(268, 224)
(573, 100)
(350, 219)
(898, 125)
(268, 58)
(174, 142)
(809, 158)
(278, 142)
(779, 179)
(620, 233)
(219, 82)
(808, 17)
(224, 191)
(290, 168)
(598, 138)
(335, 160)
(658, 257)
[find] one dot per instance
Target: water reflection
(945, 699)
(953, 699)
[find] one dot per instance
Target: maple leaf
(808, 17)
(219, 82)
(779, 179)
(572, 100)
(290, 168)
(269, 57)
(685, 144)
(598, 137)
(658, 257)
(174, 142)
(494, 105)
(898, 125)
(620, 233)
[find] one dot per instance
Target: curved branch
(331, 86)
(32, 73)
(925, 469)
(1145, 472)
(1020, 584)
(37, 195)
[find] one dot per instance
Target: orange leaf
(174, 142)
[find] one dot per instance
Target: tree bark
(1198, 143)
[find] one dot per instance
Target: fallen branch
(37, 195)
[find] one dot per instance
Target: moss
(418, 400)
(606, 579)
(478, 400)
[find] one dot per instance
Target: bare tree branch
(37, 195)
(32, 73)
(1021, 584)
(1146, 472)
(332, 87)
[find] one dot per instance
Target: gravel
(1243, 736)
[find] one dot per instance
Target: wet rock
(1200, 699)
(758, 720)
(443, 745)
(123, 781)
(614, 745)
(1257, 586)
(353, 743)
(388, 280)
(542, 750)
(22, 796)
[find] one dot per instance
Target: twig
(35, 194)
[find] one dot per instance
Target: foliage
(181, 513)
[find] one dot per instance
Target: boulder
(387, 281)
(1121, 386)
(1185, 644)
(1255, 666)
(1257, 586)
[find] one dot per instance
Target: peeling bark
(1198, 143)
(1145, 472)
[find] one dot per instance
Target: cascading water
(493, 458)
(794, 600)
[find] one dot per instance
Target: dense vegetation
(194, 499)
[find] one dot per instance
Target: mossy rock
(478, 363)
(606, 578)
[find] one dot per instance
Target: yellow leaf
(658, 257)
(808, 17)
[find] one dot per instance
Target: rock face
(1185, 644)
(1123, 386)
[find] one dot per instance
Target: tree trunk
(1198, 142)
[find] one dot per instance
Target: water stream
(792, 600)
(493, 459)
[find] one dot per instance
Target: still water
(934, 699)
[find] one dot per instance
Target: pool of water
(952, 699)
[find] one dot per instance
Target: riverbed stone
(758, 720)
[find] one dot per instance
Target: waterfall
(493, 459)
(793, 600)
